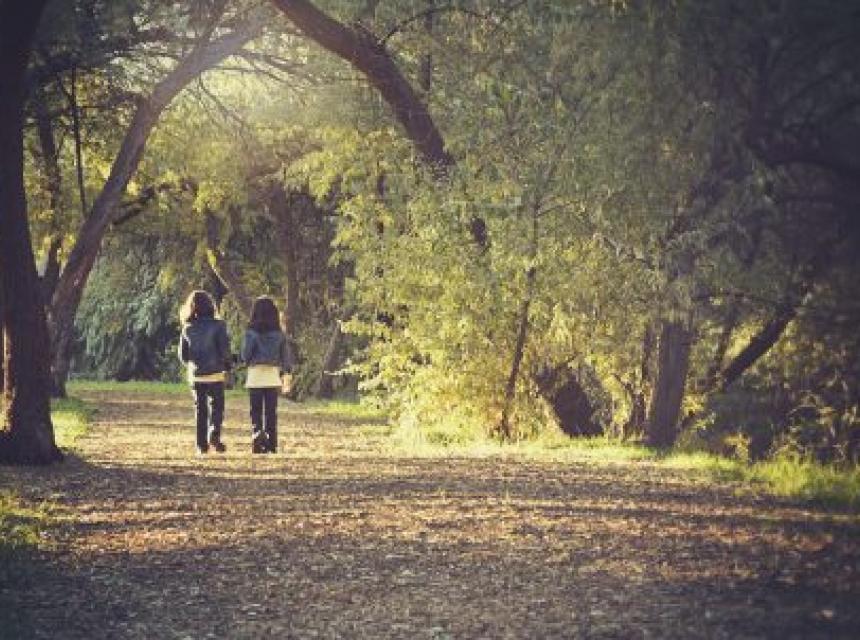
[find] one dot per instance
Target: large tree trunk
(70, 287)
(28, 437)
(2, 345)
(673, 361)
(368, 55)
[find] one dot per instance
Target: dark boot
(259, 442)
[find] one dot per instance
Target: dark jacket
(270, 348)
(204, 347)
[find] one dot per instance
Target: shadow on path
(337, 539)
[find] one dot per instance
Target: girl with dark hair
(268, 355)
(205, 349)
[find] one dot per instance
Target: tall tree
(29, 435)
(204, 55)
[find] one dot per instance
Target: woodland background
(493, 218)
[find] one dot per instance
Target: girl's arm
(223, 343)
(247, 347)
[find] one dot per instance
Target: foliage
(634, 164)
(128, 323)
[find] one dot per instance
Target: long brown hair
(198, 305)
(264, 315)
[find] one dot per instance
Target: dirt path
(335, 538)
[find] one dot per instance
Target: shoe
(258, 442)
(201, 451)
(219, 446)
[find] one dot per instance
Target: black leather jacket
(270, 347)
(204, 347)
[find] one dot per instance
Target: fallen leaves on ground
(338, 536)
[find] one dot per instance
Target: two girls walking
(204, 348)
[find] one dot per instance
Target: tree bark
(425, 72)
(712, 377)
(771, 332)
(70, 287)
(504, 427)
(362, 49)
(52, 184)
(330, 363)
(758, 345)
(76, 130)
(673, 358)
(639, 410)
(28, 437)
(282, 208)
(368, 55)
(2, 345)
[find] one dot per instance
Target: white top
(263, 376)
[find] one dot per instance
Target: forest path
(338, 536)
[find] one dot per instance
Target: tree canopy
(491, 217)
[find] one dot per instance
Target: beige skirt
(263, 376)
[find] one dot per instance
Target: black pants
(264, 413)
(209, 411)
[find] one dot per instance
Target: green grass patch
(555, 446)
(71, 417)
(342, 408)
(141, 386)
(786, 475)
(794, 477)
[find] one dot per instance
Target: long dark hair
(198, 305)
(264, 315)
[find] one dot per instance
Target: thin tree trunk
(504, 428)
(330, 362)
(221, 267)
(673, 359)
(70, 287)
(76, 131)
(53, 185)
(712, 377)
(758, 345)
(771, 332)
(28, 437)
(282, 208)
(425, 72)
(639, 411)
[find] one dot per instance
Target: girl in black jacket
(268, 355)
(205, 349)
